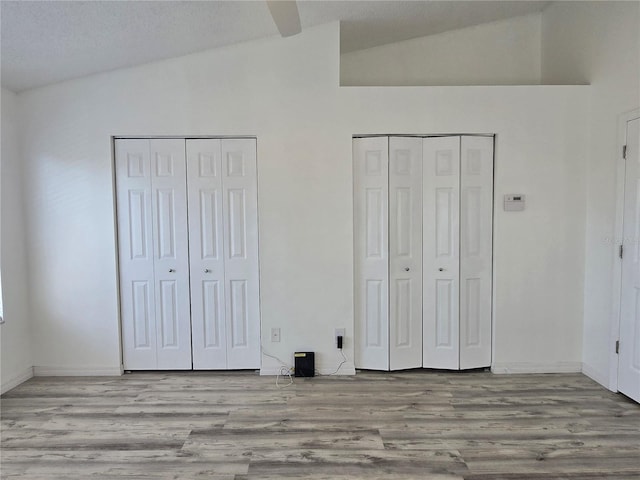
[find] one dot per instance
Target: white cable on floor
(285, 369)
(344, 360)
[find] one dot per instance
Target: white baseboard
(16, 380)
(596, 376)
(84, 371)
(321, 371)
(534, 367)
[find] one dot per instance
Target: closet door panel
(371, 193)
(405, 247)
(441, 262)
(169, 205)
(476, 196)
(240, 220)
(206, 253)
(135, 252)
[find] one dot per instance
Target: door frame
(114, 193)
(614, 329)
(494, 207)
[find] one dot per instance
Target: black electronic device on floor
(305, 364)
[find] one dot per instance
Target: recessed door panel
(141, 320)
(476, 231)
(403, 222)
(169, 314)
(166, 232)
(240, 223)
(374, 218)
(472, 208)
(135, 251)
(444, 224)
(440, 244)
(237, 223)
(445, 307)
(206, 253)
(374, 313)
(472, 312)
(403, 314)
(212, 314)
(171, 265)
(371, 267)
(405, 245)
(208, 228)
(137, 162)
(629, 352)
(239, 310)
(138, 215)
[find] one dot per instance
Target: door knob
(206, 270)
(441, 269)
(171, 270)
(406, 269)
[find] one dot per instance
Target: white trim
(494, 277)
(594, 375)
(534, 367)
(16, 380)
(66, 371)
(614, 331)
(319, 371)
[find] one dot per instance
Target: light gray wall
(506, 52)
(15, 339)
(285, 91)
(598, 43)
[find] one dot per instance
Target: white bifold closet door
(371, 244)
(457, 251)
(188, 253)
(153, 253)
(225, 308)
(388, 263)
(441, 251)
(423, 213)
(405, 247)
(629, 356)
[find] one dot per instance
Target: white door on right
(371, 247)
(153, 254)
(457, 251)
(206, 254)
(405, 253)
(629, 355)
(240, 219)
(223, 227)
(476, 247)
(441, 258)
(136, 254)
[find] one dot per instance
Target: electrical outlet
(339, 332)
(275, 334)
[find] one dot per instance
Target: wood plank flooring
(239, 426)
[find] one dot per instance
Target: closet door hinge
(624, 152)
(621, 251)
(617, 346)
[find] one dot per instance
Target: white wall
(599, 43)
(15, 342)
(285, 91)
(506, 52)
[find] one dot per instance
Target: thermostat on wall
(513, 202)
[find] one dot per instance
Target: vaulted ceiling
(44, 42)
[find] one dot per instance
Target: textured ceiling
(44, 42)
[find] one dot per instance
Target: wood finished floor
(409, 425)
